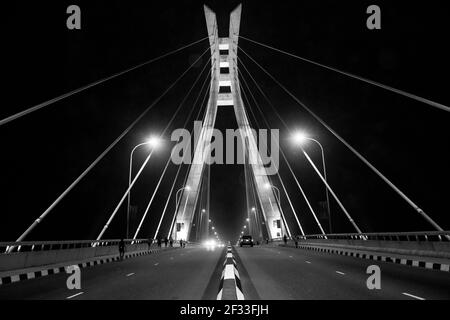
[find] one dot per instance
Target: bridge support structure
(225, 93)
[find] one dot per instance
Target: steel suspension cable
(101, 156)
(279, 200)
(281, 150)
(148, 158)
(169, 160)
(348, 74)
(349, 217)
(278, 174)
(332, 192)
(353, 150)
(176, 178)
(93, 84)
(187, 171)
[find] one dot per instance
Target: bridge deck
(266, 272)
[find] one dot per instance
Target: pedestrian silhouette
(181, 243)
(285, 240)
(159, 242)
(171, 242)
(121, 249)
(165, 242)
(296, 241)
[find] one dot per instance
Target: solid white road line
(412, 296)
(130, 274)
(75, 295)
(341, 273)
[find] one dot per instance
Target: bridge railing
(436, 236)
(28, 246)
(23, 255)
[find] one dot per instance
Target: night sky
(44, 152)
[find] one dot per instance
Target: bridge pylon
(225, 93)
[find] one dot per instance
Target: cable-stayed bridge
(286, 260)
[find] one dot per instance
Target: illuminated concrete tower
(225, 93)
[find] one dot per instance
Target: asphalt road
(168, 275)
(266, 273)
(280, 273)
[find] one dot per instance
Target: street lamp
(268, 186)
(300, 138)
(154, 142)
(278, 199)
(187, 188)
(177, 202)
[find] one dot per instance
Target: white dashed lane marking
(75, 295)
(412, 296)
(130, 274)
(156, 264)
(308, 262)
(341, 273)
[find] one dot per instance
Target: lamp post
(177, 202)
(278, 199)
(301, 138)
(154, 142)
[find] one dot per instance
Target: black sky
(44, 152)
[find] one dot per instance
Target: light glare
(300, 138)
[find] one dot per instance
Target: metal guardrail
(32, 246)
(431, 236)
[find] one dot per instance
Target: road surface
(266, 273)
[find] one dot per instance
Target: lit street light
(300, 139)
(154, 142)
(278, 199)
(177, 202)
(268, 186)
(187, 188)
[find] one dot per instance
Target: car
(246, 241)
